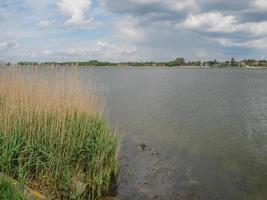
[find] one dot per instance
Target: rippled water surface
(188, 133)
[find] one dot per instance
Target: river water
(188, 133)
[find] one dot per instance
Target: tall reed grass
(52, 134)
(9, 191)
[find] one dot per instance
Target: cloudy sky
(144, 30)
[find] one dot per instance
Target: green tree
(233, 62)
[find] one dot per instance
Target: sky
(132, 30)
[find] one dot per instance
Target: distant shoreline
(178, 62)
(147, 66)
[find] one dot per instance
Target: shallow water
(188, 133)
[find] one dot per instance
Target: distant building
(180, 61)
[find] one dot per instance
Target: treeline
(174, 63)
(88, 63)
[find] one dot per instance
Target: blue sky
(143, 30)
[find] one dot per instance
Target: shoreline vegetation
(9, 190)
(250, 63)
(53, 138)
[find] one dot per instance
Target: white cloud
(44, 24)
(128, 30)
(118, 52)
(261, 4)
(3, 46)
(7, 45)
(146, 25)
(100, 50)
(225, 41)
(100, 46)
(257, 28)
(46, 52)
(212, 22)
(10, 35)
(256, 43)
(181, 5)
(217, 22)
(75, 11)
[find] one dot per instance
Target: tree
(233, 63)
(180, 61)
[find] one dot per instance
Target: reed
(52, 134)
(9, 191)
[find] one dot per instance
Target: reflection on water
(203, 132)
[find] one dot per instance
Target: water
(203, 131)
(188, 133)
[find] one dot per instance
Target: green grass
(8, 191)
(54, 143)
